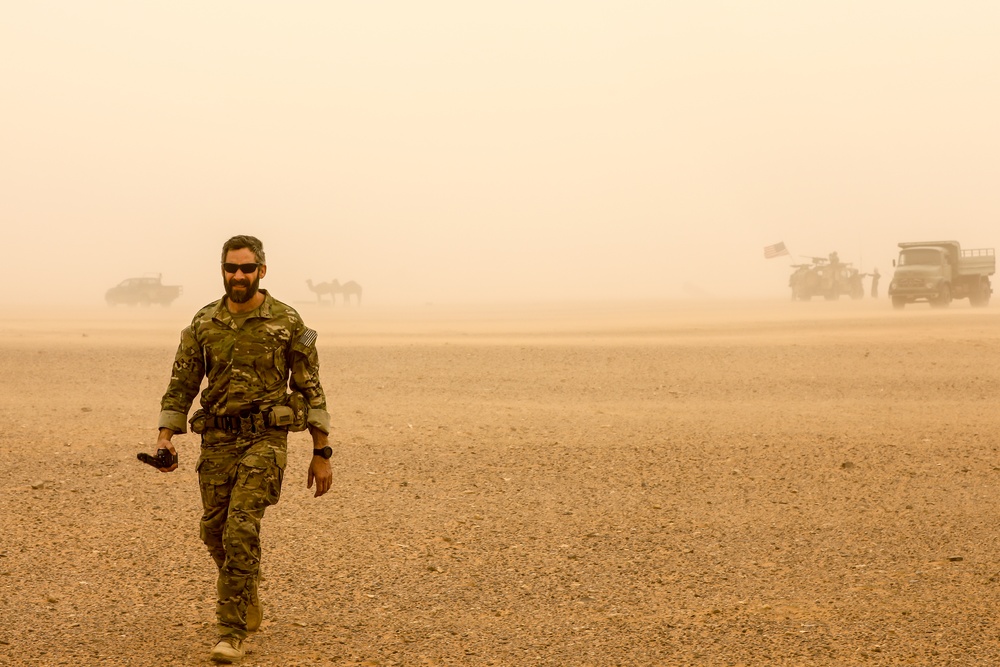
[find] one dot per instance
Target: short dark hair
(243, 241)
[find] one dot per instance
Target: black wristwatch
(326, 452)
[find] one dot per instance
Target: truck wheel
(944, 298)
(980, 296)
(898, 302)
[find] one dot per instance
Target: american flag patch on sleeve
(308, 338)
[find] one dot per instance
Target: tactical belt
(247, 421)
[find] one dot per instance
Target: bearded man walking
(262, 368)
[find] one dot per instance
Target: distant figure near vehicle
(803, 281)
(875, 276)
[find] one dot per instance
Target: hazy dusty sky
(448, 150)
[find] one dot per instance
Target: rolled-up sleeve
(175, 421)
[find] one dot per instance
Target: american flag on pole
(776, 250)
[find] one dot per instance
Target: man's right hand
(163, 442)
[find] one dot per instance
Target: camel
(324, 288)
(348, 289)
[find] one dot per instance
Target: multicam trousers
(240, 476)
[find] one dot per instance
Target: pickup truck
(938, 271)
(142, 292)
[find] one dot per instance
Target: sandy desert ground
(763, 483)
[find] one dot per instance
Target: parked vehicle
(827, 277)
(939, 271)
(142, 292)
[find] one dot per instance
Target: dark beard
(250, 289)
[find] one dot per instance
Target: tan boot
(227, 651)
(255, 610)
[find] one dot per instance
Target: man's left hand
(319, 470)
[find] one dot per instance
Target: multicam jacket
(252, 364)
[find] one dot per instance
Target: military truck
(827, 277)
(142, 292)
(938, 271)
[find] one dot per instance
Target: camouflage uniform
(249, 369)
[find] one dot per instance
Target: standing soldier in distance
(875, 276)
(263, 380)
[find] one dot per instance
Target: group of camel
(333, 288)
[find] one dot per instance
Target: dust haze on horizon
(446, 152)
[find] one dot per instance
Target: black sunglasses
(245, 268)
